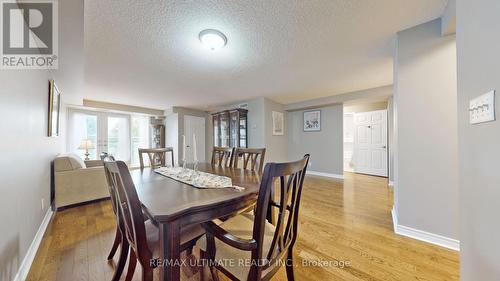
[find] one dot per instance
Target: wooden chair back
(251, 158)
(290, 178)
(222, 156)
(129, 208)
(157, 156)
(112, 192)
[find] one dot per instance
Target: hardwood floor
(340, 222)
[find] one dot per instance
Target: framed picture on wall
(312, 121)
(54, 109)
(278, 124)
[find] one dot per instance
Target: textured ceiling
(147, 53)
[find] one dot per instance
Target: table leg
(170, 251)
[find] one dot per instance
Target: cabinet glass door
(243, 131)
(233, 128)
(216, 130)
(224, 129)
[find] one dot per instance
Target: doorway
(366, 139)
(194, 126)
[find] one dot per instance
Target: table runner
(196, 178)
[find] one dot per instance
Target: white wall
(425, 98)
(478, 45)
(26, 151)
(172, 135)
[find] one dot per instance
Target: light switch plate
(482, 108)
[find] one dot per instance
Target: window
(140, 138)
(119, 135)
(85, 128)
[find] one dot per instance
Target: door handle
(384, 146)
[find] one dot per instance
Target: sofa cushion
(68, 161)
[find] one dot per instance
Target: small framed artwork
(312, 121)
(54, 109)
(278, 124)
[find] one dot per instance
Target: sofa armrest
(80, 185)
(93, 163)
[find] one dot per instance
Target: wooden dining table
(174, 205)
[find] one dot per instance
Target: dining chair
(262, 246)
(222, 156)
(157, 156)
(139, 235)
(119, 241)
(252, 156)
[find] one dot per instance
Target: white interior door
(194, 125)
(370, 143)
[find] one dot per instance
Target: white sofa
(78, 181)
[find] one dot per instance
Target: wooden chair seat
(187, 234)
(240, 226)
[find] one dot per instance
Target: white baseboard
(24, 269)
(425, 236)
(394, 219)
(327, 175)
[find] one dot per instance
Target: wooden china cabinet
(230, 128)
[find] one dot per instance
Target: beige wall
(26, 149)
(365, 107)
(478, 45)
(122, 107)
(372, 95)
(425, 97)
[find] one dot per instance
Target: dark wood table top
(165, 199)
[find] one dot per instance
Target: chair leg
(147, 273)
(121, 261)
(289, 266)
(213, 271)
(118, 240)
(203, 261)
(132, 262)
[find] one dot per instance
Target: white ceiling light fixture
(213, 39)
